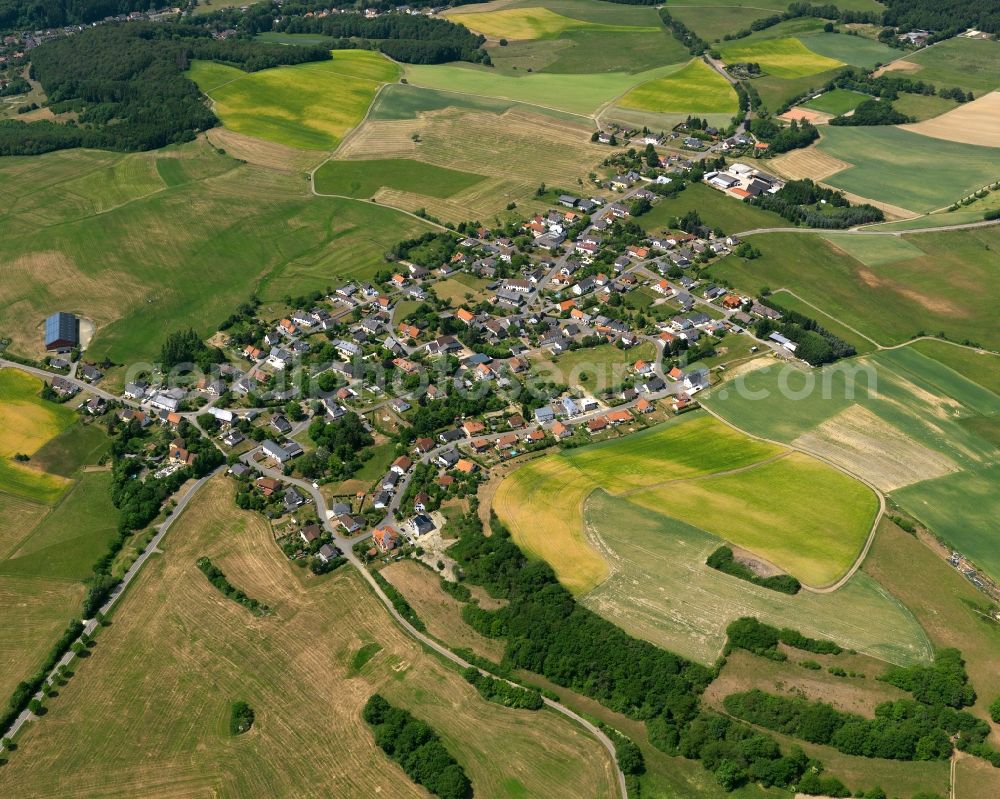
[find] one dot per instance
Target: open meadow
(836, 102)
(660, 589)
(970, 64)
(300, 670)
(904, 168)
(163, 258)
(515, 151)
(291, 105)
(979, 366)
(581, 94)
(594, 369)
(782, 58)
(27, 423)
(890, 289)
(715, 208)
(532, 23)
(910, 425)
(365, 178)
(694, 89)
(669, 469)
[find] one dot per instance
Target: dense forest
(873, 112)
(411, 39)
(127, 85)
(16, 15)
(943, 15)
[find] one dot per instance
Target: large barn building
(62, 332)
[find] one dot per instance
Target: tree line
(403, 37)
(126, 83)
(722, 560)
(943, 16)
(417, 748)
(217, 578)
(762, 640)
(803, 202)
(781, 139)
(502, 692)
(19, 15)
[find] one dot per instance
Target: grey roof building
(62, 331)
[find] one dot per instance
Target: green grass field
(80, 445)
(70, 539)
(962, 509)
(205, 651)
(971, 64)
(532, 23)
(906, 169)
(695, 89)
(782, 58)
(715, 208)
(668, 469)
(858, 51)
(775, 91)
(979, 367)
(595, 369)
(166, 258)
(291, 105)
(27, 423)
(836, 102)
(661, 590)
(793, 303)
(947, 286)
(952, 614)
(580, 94)
(805, 518)
(454, 288)
(911, 425)
(923, 106)
(364, 178)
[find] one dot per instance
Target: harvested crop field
(441, 612)
(298, 669)
(807, 163)
(800, 114)
(531, 23)
(263, 153)
(977, 122)
(660, 589)
(863, 443)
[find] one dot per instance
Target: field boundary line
(830, 316)
(823, 589)
(698, 477)
(591, 117)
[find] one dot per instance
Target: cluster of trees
(430, 250)
(890, 85)
(502, 692)
(26, 689)
(943, 16)
(901, 730)
(723, 560)
(218, 579)
(241, 718)
(186, 346)
(127, 83)
(782, 139)
(796, 10)
(433, 415)
(342, 442)
(737, 755)
(417, 749)
(944, 683)
(411, 39)
(17, 85)
(802, 202)
(19, 15)
(762, 639)
(815, 344)
(691, 40)
(873, 112)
